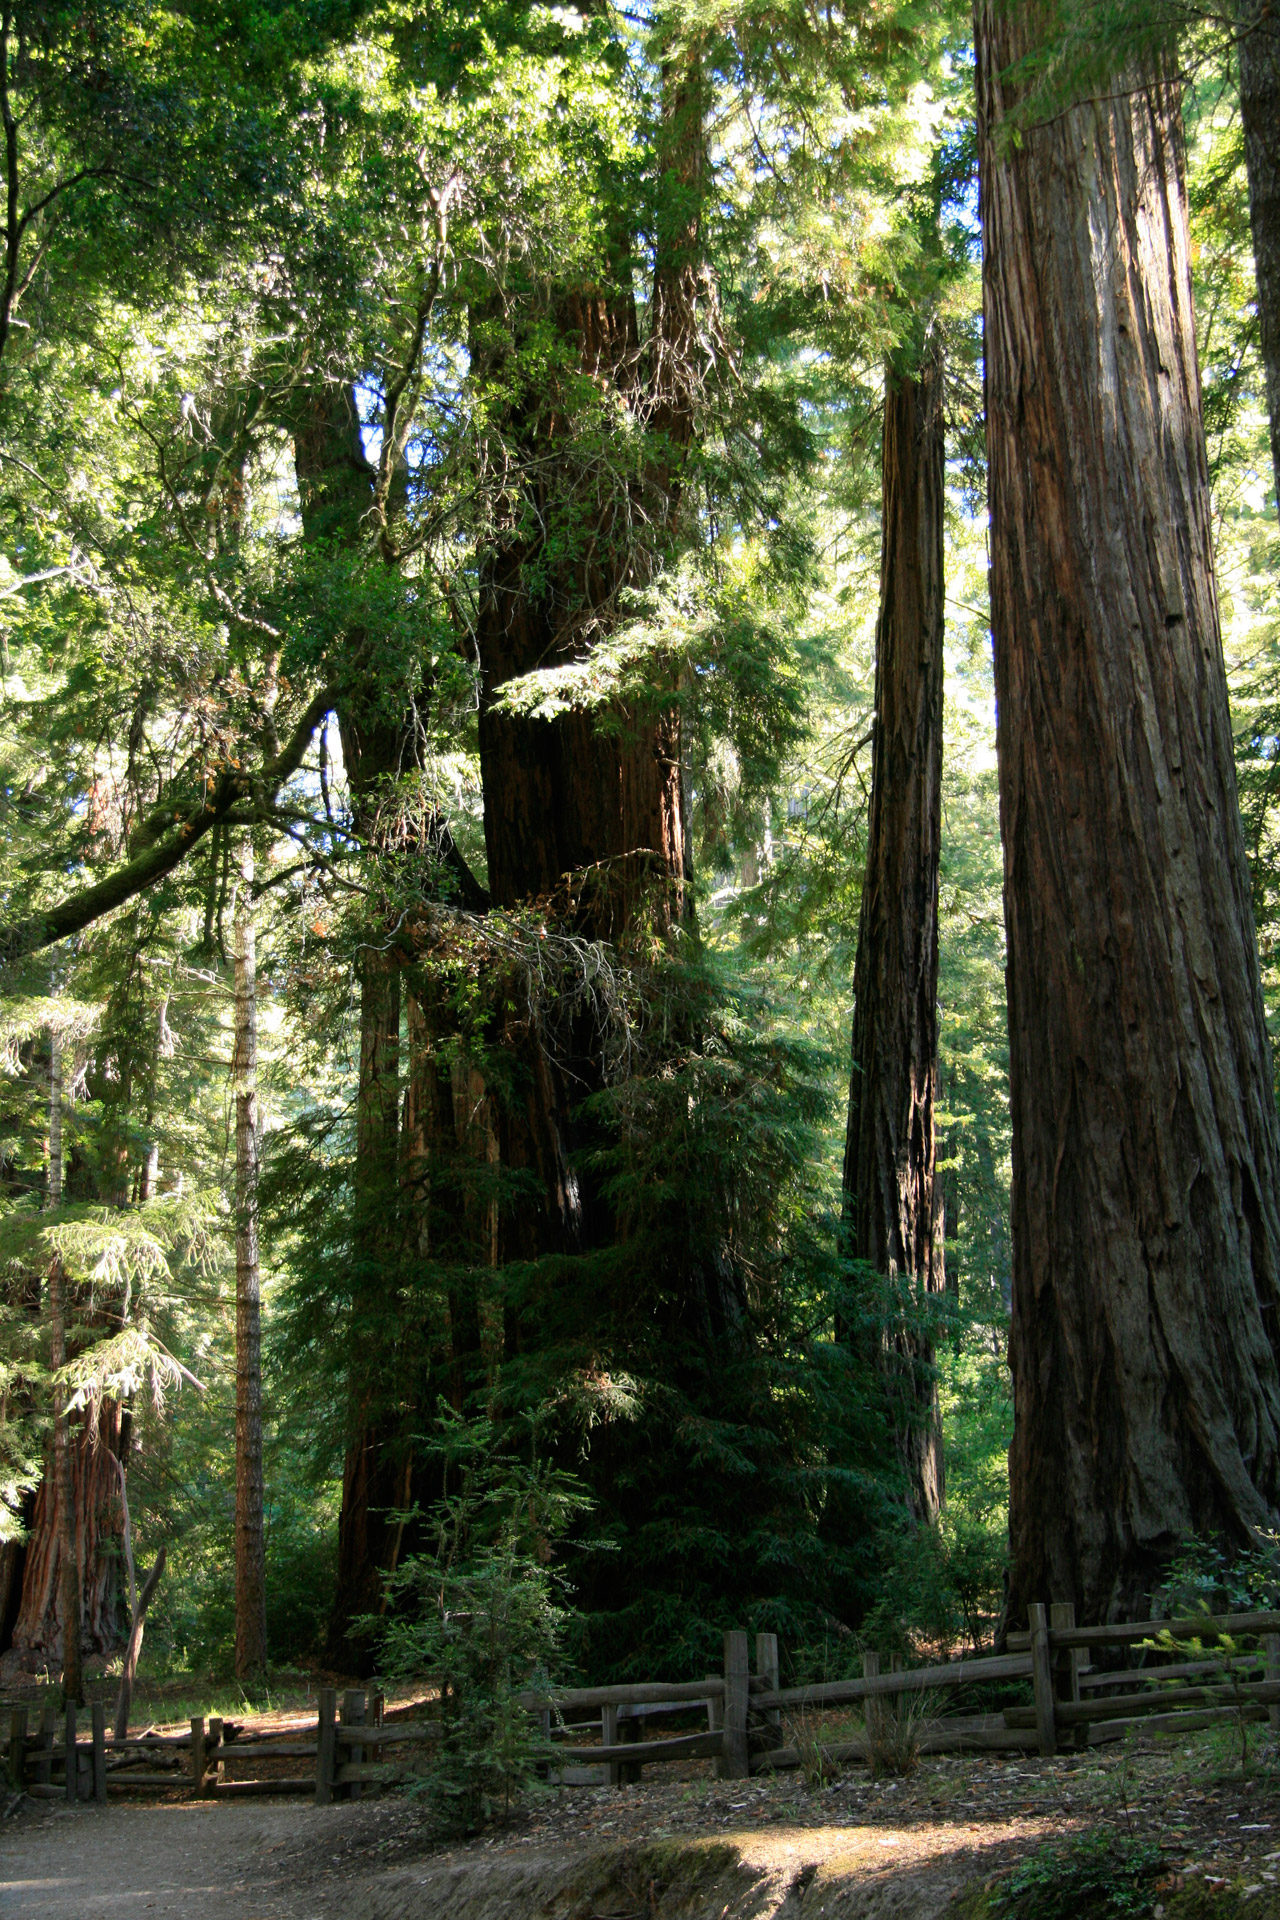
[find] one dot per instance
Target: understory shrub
(481, 1614)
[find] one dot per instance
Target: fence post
(44, 1765)
(100, 1753)
(715, 1707)
(71, 1755)
(1271, 1648)
(735, 1763)
(629, 1736)
(1066, 1664)
(353, 1715)
(609, 1738)
(197, 1754)
(1042, 1679)
(18, 1749)
(873, 1711)
(210, 1786)
(769, 1670)
(326, 1745)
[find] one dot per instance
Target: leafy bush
(1091, 1878)
(1202, 1578)
(481, 1614)
(940, 1585)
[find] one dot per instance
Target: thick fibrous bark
(893, 1196)
(598, 796)
(586, 813)
(1146, 1163)
(94, 1525)
(583, 813)
(1259, 50)
(251, 1576)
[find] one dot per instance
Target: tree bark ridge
(1146, 1162)
(892, 1192)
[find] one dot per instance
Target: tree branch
(167, 851)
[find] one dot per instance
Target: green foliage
(941, 1586)
(1095, 1876)
(481, 1614)
(1092, 1878)
(1203, 1577)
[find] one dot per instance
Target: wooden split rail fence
(353, 1749)
(1077, 1704)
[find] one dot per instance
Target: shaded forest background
(339, 328)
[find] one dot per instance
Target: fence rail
(352, 1748)
(201, 1761)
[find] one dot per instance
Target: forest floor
(678, 1844)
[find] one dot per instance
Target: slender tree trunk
(335, 485)
(1146, 1163)
(1259, 50)
(70, 1577)
(251, 1573)
(55, 1117)
(149, 1179)
(892, 1192)
(373, 1474)
(133, 1646)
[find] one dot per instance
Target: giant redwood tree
(1146, 1161)
(585, 811)
(893, 1193)
(1259, 55)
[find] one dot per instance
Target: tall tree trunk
(584, 810)
(55, 1117)
(251, 1572)
(892, 1193)
(335, 485)
(1146, 1162)
(585, 813)
(70, 1574)
(1259, 50)
(451, 1154)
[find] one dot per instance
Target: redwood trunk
(892, 1193)
(70, 1573)
(1259, 50)
(335, 487)
(1146, 1163)
(251, 1572)
(55, 1117)
(92, 1595)
(584, 810)
(585, 813)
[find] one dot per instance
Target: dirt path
(690, 1847)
